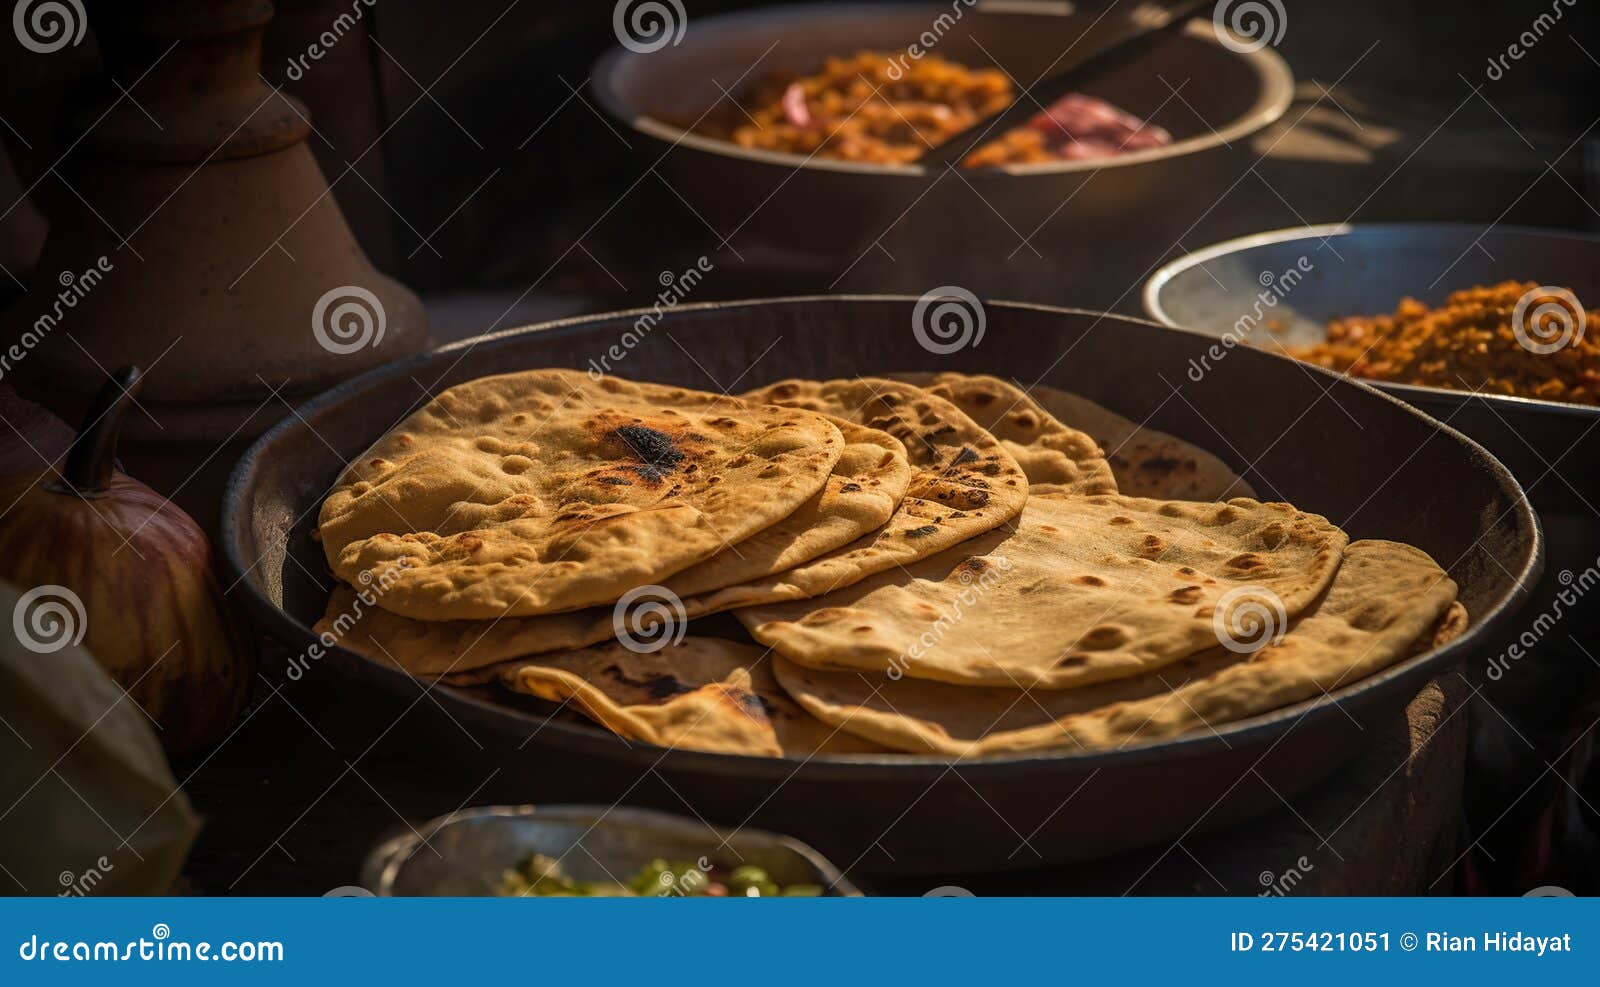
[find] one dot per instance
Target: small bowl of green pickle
(587, 851)
(543, 876)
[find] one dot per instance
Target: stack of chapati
(935, 564)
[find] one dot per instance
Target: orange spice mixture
(1471, 342)
(856, 109)
(882, 109)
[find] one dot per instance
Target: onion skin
(157, 620)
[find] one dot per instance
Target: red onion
(1086, 127)
(794, 106)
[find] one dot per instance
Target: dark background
(454, 160)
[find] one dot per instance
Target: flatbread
(1056, 458)
(963, 483)
(1451, 626)
(1387, 602)
(547, 490)
(866, 485)
(354, 621)
(1081, 590)
(702, 694)
(1146, 461)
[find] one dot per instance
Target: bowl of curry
(791, 134)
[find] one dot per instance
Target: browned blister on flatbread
(1056, 458)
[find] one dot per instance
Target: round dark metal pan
(1372, 464)
(1366, 269)
(1023, 231)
